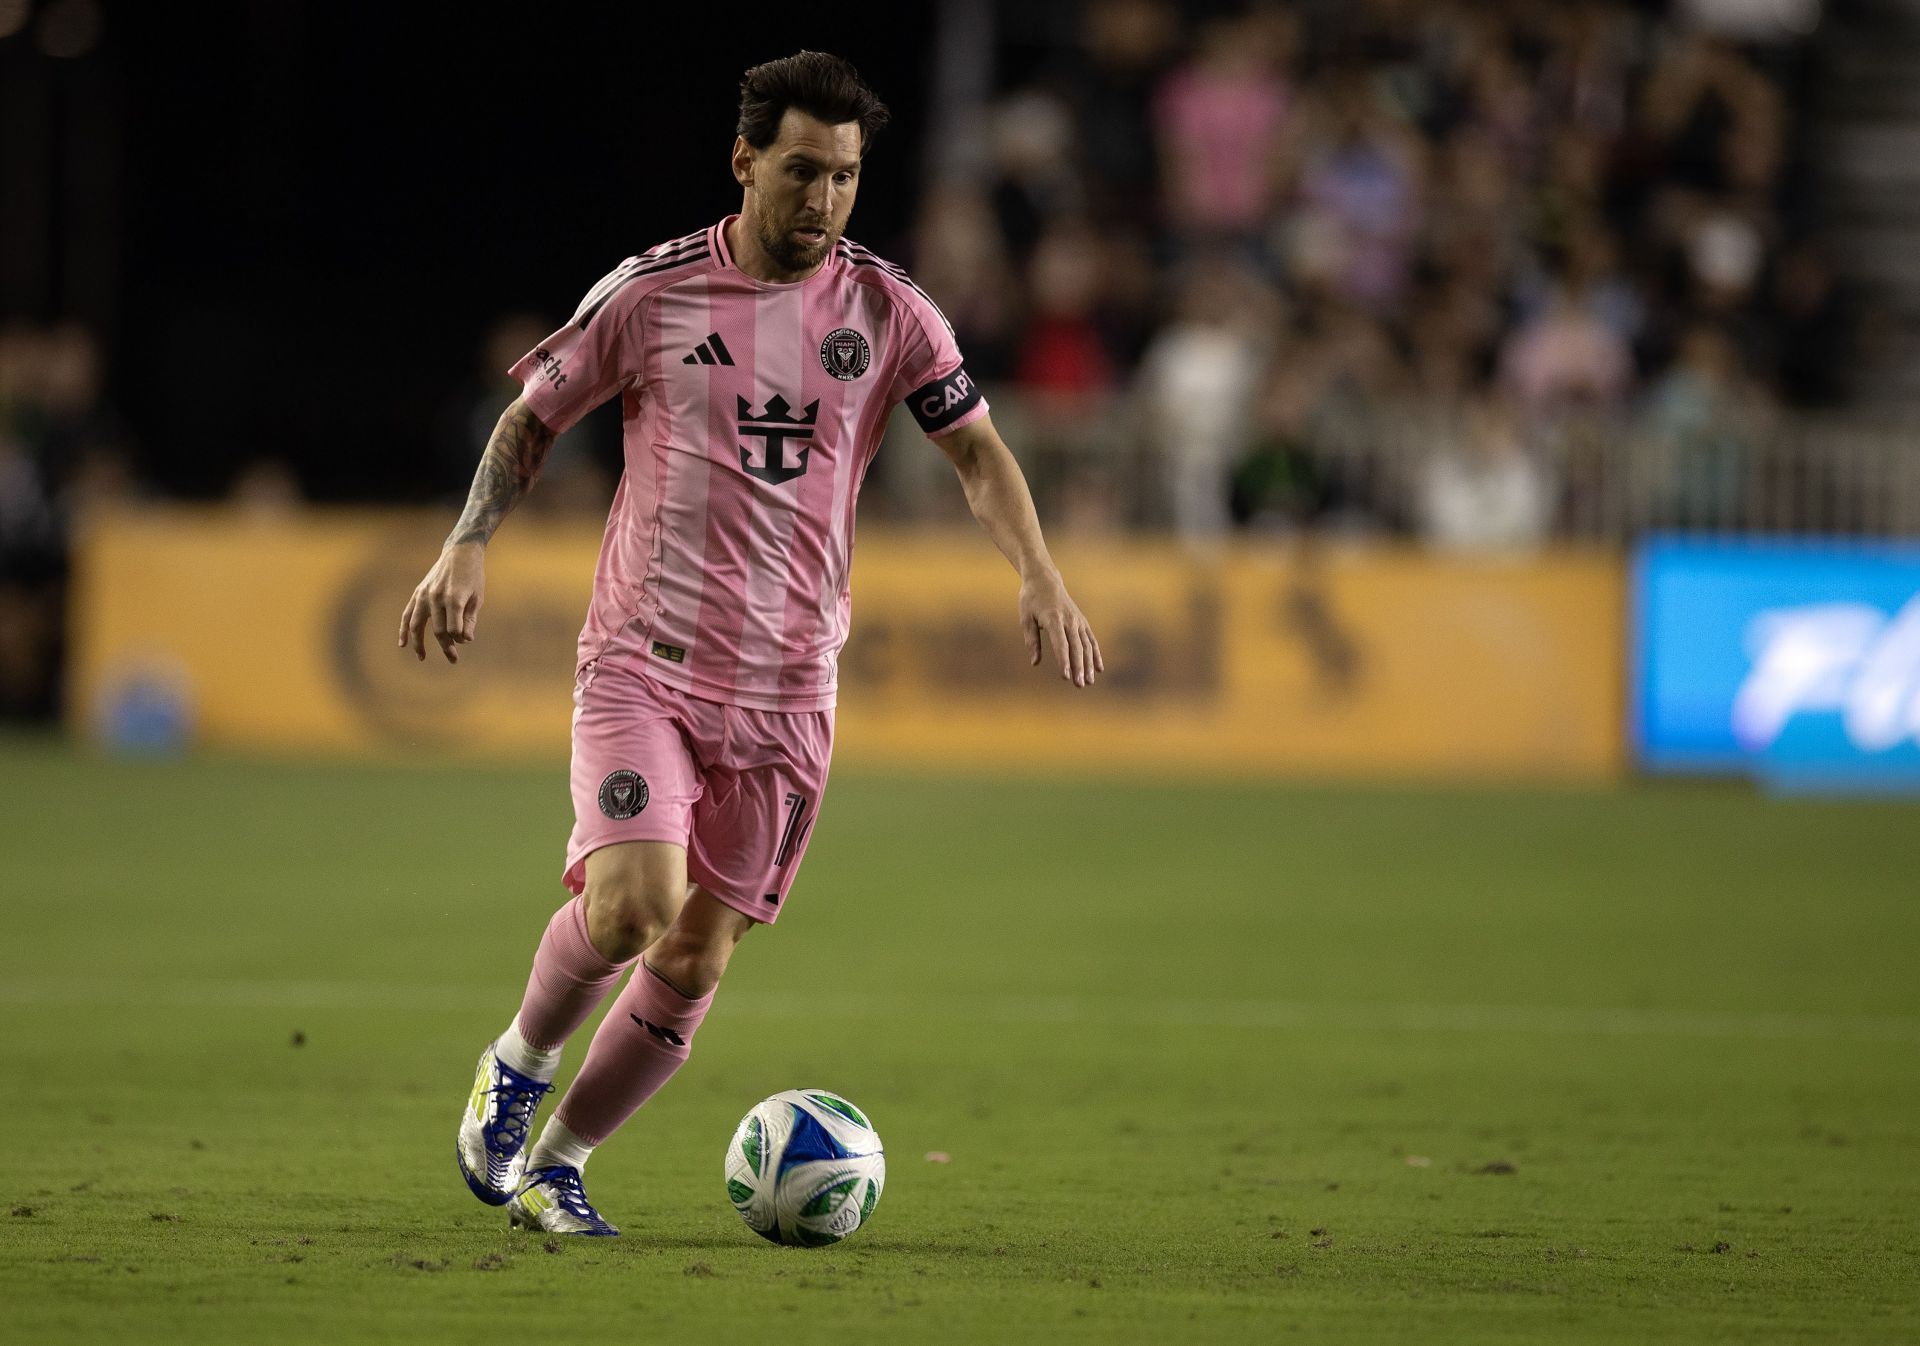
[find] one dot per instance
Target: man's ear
(742, 161)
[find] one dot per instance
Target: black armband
(940, 403)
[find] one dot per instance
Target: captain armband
(944, 402)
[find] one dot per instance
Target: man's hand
(998, 496)
(447, 601)
(1048, 614)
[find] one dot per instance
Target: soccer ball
(805, 1167)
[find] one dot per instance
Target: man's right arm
(448, 599)
(515, 454)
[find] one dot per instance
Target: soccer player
(756, 362)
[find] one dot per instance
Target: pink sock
(570, 979)
(646, 1036)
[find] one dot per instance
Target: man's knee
(693, 954)
(633, 893)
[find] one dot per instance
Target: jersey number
(796, 806)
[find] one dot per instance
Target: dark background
(292, 223)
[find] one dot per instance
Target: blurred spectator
(58, 437)
(1063, 359)
(32, 564)
(1725, 249)
(1584, 77)
(1706, 417)
(1565, 359)
(1813, 326)
(961, 260)
(469, 415)
(1502, 102)
(1130, 299)
(103, 479)
(267, 490)
(1125, 45)
(1278, 487)
(1219, 120)
(1359, 194)
(62, 414)
(1475, 227)
(576, 479)
(1037, 179)
(1063, 367)
(1196, 383)
(1703, 98)
(1480, 489)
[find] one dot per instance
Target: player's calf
(693, 954)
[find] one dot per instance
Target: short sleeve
(933, 380)
(587, 361)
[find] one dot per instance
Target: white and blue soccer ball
(805, 1167)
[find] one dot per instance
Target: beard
(789, 253)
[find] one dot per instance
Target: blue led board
(1798, 662)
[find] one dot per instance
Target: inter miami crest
(845, 354)
(623, 794)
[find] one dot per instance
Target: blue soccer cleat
(554, 1201)
(492, 1148)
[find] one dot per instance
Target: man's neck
(751, 258)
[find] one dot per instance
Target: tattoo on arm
(514, 457)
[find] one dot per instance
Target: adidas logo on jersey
(712, 351)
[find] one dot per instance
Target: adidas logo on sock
(712, 351)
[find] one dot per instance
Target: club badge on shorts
(623, 794)
(845, 354)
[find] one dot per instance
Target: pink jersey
(752, 412)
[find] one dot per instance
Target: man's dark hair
(819, 84)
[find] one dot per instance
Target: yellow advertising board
(1355, 660)
(1351, 661)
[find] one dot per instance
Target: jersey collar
(725, 254)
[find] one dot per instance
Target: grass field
(1212, 1064)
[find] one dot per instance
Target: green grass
(1233, 1064)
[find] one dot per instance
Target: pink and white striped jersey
(751, 412)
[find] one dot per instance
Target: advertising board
(1796, 661)
(1349, 660)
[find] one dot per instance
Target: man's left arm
(998, 496)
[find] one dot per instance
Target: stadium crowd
(67, 452)
(61, 451)
(1414, 267)
(1392, 265)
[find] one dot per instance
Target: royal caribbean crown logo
(773, 428)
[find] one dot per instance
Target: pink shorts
(738, 788)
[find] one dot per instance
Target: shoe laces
(516, 1098)
(569, 1192)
